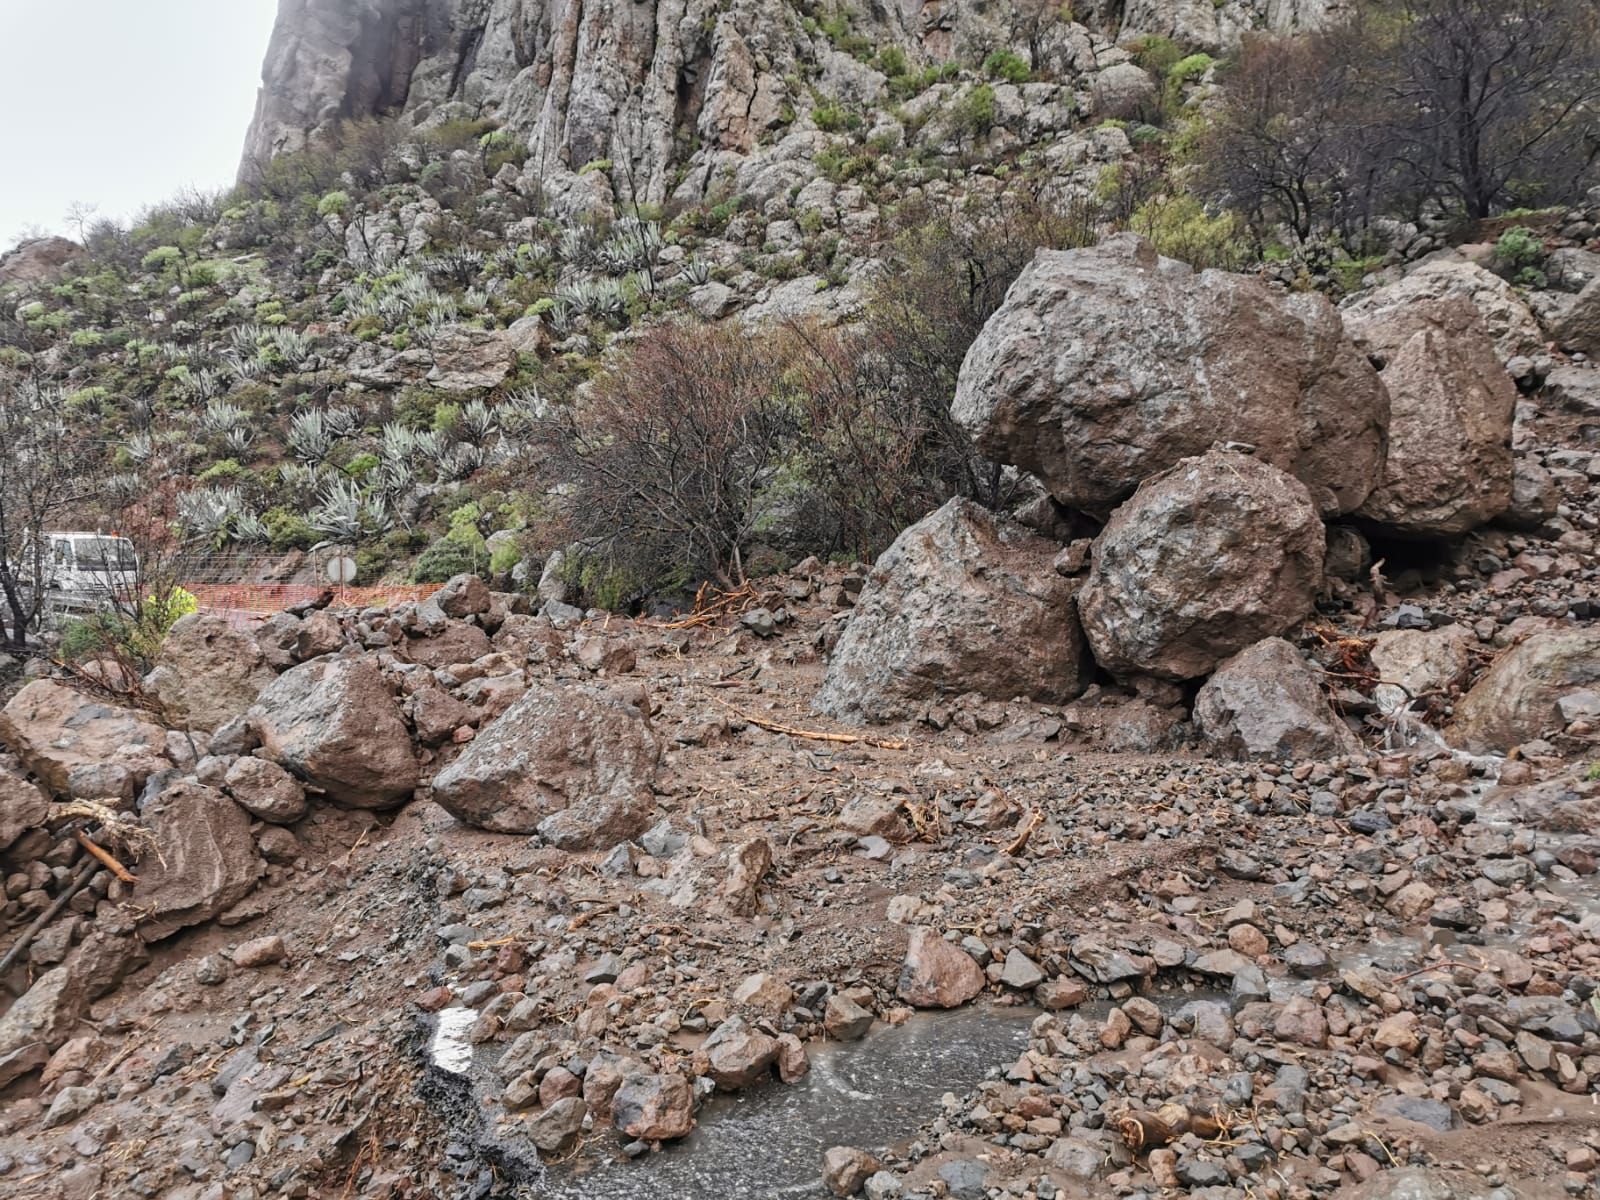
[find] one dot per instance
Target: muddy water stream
(768, 1142)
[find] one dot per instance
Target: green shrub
(161, 258)
(505, 556)
(135, 637)
(227, 468)
(832, 117)
(361, 465)
(973, 114)
(442, 560)
(1157, 54)
(1519, 254)
(1007, 65)
(288, 530)
(334, 204)
(446, 417)
(892, 61)
(1181, 227)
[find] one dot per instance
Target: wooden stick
(106, 859)
(814, 735)
(1035, 819)
(85, 873)
(1439, 966)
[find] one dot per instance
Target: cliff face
(674, 91)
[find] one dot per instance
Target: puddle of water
(769, 1142)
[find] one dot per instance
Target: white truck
(84, 570)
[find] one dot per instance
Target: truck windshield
(105, 554)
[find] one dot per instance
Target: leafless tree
(40, 476)
(1290, 141)
(1491, 102)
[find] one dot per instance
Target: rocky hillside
(962, 668)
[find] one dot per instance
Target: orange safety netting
(264, 599)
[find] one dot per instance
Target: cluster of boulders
(200, 774)
(1238, 447)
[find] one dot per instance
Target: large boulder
(335, 723)
(1519, 697)
(265, 790)
(572, 763)
(38, 259)
(1266, 702)
(1107, 365)
(207, 860)
(963, 601)
(1579, 327)
(1449, 467)
(23, 806)
(452, 642)
(54, 730)
(208, 672)
(1509, 321)
(1208, 557)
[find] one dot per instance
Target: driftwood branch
(814, 735)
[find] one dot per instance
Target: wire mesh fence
(257, 601)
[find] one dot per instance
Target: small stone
(260, 952)
(556, 1127)
(845, 1170)
(1020, 972)
(844, 1019)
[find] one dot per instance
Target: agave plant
(237, 441)
(463, 459)
(632, 246)
(477, 422)
(310, 438)
(140, 446)
(245, 339)
(296, 349)
(522, 410)
(300, 478)
(341, 420)
(697, 271)
(432, 446)
(208, 513)
(202, 384)
(578, 245)
(123, 487)
(339, 513)
(251, 529)
(397, 443)
(461, 266)
(393, 478)
(221, 415)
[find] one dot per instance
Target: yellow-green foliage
(1180, 227)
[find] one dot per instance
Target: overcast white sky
(120, 103)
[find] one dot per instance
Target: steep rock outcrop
(635, 81)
